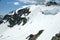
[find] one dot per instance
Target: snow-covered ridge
(37, 21)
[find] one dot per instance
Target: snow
(37, 21)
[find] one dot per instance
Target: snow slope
(37, 21)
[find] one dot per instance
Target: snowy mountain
(1, 17)
(42, 17)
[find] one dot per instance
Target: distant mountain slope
(1, 17)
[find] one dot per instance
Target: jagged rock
(56, 37)
(16, 17)
(23, 11)
(34, 37)
(51, 3)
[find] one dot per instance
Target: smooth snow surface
(37, 21)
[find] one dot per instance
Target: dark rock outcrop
(51, 3)
(34, 37)
(16, 17)
(56, 37)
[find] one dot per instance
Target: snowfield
(49, 22)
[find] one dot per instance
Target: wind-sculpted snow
(50, 10)
(36, 21)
